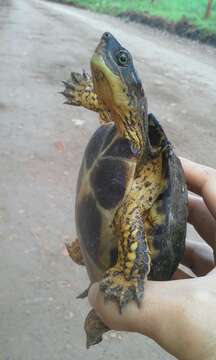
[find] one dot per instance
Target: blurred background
(195, 19)
(42, 142)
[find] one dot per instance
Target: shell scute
(108, 181)
(168, 237)
(121, 148)
(111, 133)
(95, 144)
(88, 219)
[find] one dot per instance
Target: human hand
(179, 315)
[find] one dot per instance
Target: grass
(173, 10)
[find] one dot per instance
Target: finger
(202, 181)
(198, 257)
(201, 218)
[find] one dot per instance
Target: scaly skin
(124, 281)
(74, 251)
(79, 92)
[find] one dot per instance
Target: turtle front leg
(125, 281)
(74, 252)
(79, 92)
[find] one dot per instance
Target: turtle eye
(122, 58)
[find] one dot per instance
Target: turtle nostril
(106, 35)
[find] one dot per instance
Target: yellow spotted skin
(134, 254)
(131, 196)
(74, 252)
(79, 92)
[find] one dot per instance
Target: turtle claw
(76, 77)
(121, 290)
(86, 76)
(75, 87)
(84, 294)
(68, 84)
(139, 293)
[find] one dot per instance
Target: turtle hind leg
(74, 252)
(118, 288)
(94, 329)
(124, 282)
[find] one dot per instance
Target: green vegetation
(172, 10)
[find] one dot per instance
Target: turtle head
(120, 89)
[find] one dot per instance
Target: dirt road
(40, 150)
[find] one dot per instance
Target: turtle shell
(108, 166)
(107, 169)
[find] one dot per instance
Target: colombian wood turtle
(131, 203)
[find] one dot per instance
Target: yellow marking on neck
(112, 93)
(110, 85)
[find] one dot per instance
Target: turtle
(131, 201)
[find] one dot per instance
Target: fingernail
(92, 294)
